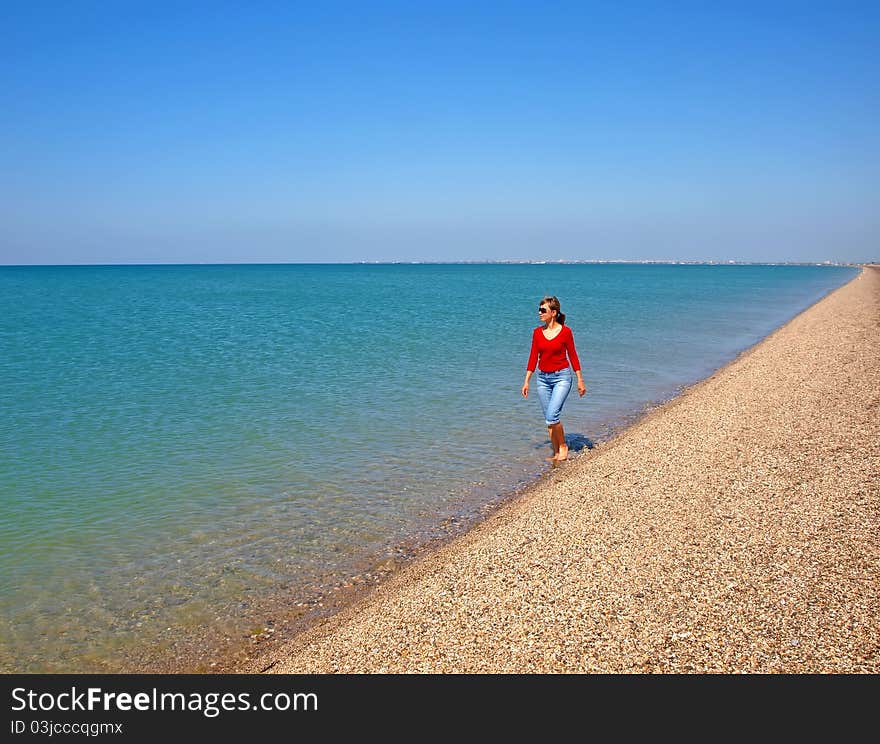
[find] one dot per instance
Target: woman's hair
(553, 304)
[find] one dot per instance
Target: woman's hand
(525, 387)
(582, 389)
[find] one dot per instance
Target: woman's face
(545, 314)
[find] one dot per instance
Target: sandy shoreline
(733, 529)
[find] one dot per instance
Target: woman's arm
(533, 362)
(575, 361)
(525, 387)
(582, 389)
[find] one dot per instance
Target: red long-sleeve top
(552, 352)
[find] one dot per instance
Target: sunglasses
(543, 310)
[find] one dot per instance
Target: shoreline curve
(485, 600)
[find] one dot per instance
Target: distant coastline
(514, 261)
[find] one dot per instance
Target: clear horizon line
(409, 262)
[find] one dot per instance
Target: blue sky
(142, 132)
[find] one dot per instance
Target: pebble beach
(734, 529)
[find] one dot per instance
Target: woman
(551, 342)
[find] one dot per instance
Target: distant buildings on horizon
(729, 262)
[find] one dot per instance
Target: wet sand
(734, 529)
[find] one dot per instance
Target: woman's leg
(559, 446)
(560, 392)
(545, 392)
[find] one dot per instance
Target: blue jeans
(553, 389)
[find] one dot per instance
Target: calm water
(178, 443)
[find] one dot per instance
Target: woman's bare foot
(562, 454)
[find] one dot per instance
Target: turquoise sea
(180, 446)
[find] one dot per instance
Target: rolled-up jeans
(553, 389)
